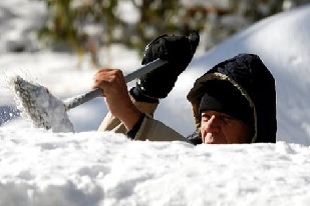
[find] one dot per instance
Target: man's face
(219, 128)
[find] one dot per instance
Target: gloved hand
(179, 51)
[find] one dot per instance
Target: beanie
(223, 97)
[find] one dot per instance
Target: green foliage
(67, 20)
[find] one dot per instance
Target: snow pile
(40, 106)
(108, 169)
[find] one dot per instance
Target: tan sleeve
(150, 129)
(155, 130)
(110, 123)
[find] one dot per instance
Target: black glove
(179, 51)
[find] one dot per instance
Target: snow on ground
(89, 168)
(39, 168)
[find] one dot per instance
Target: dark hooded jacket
(246, 72)
(252, 78)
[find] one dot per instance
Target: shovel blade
(42, 108)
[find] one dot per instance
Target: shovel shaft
(76, 101)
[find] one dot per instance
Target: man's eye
(205, 118)
(227, 119)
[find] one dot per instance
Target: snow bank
(91, 168)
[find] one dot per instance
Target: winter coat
(150, 129)
(245, 71)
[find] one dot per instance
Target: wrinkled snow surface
(108, 169)
(40, 106)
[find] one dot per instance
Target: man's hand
(114, 87)
(179, 51)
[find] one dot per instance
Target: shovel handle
(76, 101)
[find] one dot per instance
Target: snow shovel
(48, 112)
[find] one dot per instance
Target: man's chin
(210, 140)
(213, 140)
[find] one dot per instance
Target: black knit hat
(222, 96)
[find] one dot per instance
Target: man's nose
(213, 124)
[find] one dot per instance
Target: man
(234, 102)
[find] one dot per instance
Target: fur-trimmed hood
(254, 81)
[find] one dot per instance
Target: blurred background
(84, 26)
